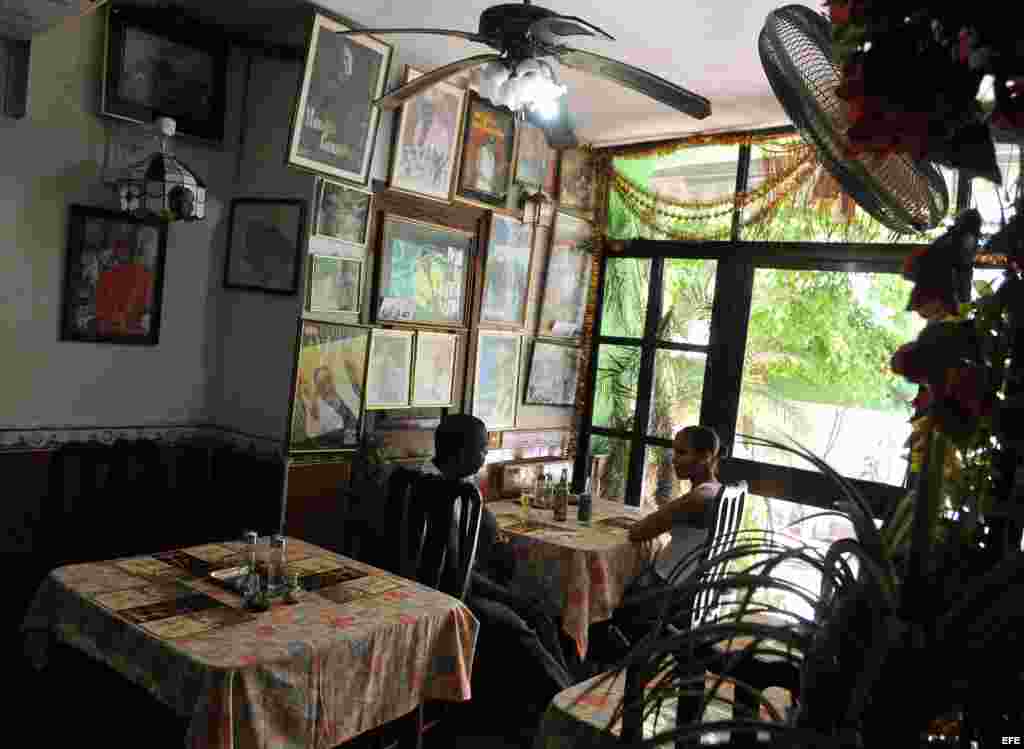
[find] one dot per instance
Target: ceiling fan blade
(548, 29)
(395, 98)
(560, 129)
(467, 35)
(639, 80)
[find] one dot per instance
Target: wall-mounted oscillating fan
(899, 192)
(527, 39)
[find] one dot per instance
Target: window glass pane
(994, 201)
(609, 457)
(811, 207)
(793, 525)
(660, 484)
(624, 310)
(688, 291)
(678, 387)
(694, 188)
(618, 368)
(816, 369)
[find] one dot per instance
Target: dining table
(580, 570)
(355, 648)
(589, 714)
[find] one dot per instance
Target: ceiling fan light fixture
(492, 75)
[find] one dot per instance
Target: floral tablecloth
(361, 647)
(587, 714)
(582, 571)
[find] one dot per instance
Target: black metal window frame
(737, 262)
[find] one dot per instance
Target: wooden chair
(438, 530)
(758, 672)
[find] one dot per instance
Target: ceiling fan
(519, 73)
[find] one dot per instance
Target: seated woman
(687, 518)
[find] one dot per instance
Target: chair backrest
(440, 529)
(727, 513)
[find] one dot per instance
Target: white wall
(49, 160)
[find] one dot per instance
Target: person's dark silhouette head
(460, 445)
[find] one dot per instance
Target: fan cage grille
(898, 192)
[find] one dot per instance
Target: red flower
(839, 13)
(907, 363)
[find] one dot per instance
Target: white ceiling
(706, 46)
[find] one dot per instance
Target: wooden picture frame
(488, 146)
(423, 272)
(507, 272)
(342, 212)
(496, 378)
(328, 387)
(566, 279)
(553, 374)
(389, 370)
(265, 244)
(577, 183)
(536, 161)
(156, 65)
(334, 124)
(427, 139)
(335, 284)
(435, 355)
(113, 277)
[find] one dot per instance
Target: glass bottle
(252, 590)
(276, 566)
(584, 506)
(561, 498)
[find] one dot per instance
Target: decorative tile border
(20, 439)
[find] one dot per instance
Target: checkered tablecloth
(361, 647)
(582, 571)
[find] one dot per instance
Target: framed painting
(342, 212)
(265, 240)
(567, 280)
(427, 140)
(113, 277)
(335, 122)
(153, 67)
(576, 182)
(487, 147)
(389, 373)
(327, 405)
(536, 161)
(434, 369)
(423, 272)
(335, 284)
(496, 384)
(553, 373)
(506, 272)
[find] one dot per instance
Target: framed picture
(113, 277)
(506, 272)
(327, 405)
(496, 385)
(265, 244)
(553, 372)
(426, 145)
(434, 369)
(567, 281)
(576, 182)
(342, 212)
(536, 161)
(487, 147)
(153, 68)
(335, 122)
(423, 272)
(389, 373)
(335, 284)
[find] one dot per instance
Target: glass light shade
(492, 75)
